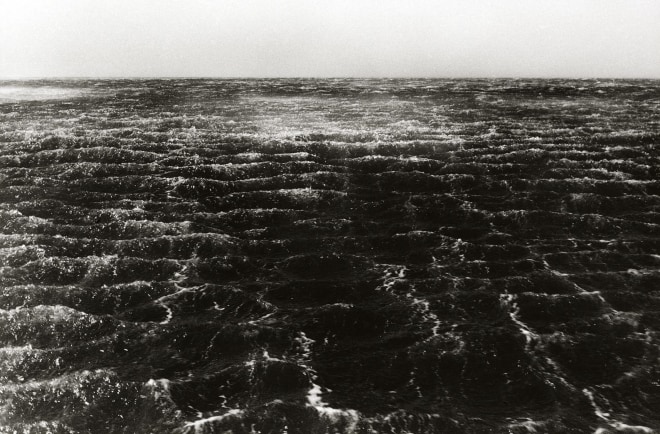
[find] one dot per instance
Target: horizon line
(310, 77)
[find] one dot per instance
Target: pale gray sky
(284, 38)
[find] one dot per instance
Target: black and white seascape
(329, 256)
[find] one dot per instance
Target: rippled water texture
(329, 256)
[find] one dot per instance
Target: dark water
(334, 256)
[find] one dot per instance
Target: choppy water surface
(330, 256)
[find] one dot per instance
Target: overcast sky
(284, 38)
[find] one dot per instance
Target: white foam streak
(617, 425)
(260, 319)
(315, 392)
(198, 425)
(507, 300)
(163, 301)
(528, 424)
(597, 410)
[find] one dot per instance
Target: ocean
(310, 256)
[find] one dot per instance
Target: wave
(329, 256)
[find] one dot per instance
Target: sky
(330, 38)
